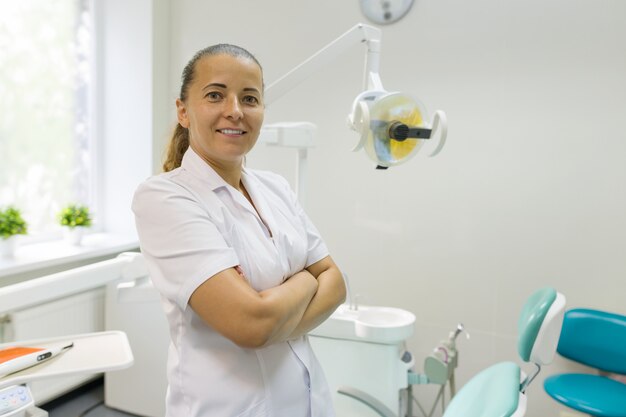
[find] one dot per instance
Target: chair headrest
(539, 326)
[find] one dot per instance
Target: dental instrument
(439, 369)
(16, 358)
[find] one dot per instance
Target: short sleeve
(316, 250)
(182, 245)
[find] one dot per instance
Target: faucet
(352, 300)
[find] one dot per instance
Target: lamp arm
(360, 33)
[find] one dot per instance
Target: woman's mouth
(231, 131)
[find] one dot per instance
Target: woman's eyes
(215, 96)
(250, 100)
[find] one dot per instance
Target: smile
(231, 131)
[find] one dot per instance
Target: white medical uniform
(192, 225)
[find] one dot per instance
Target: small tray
(91, 353)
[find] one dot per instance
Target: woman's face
(224, 109)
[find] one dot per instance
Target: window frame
(93, 136)
(130, 37)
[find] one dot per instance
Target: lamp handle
(361, 118)
(439, 118)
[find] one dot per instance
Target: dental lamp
(392, 126)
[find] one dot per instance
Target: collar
(203, 172)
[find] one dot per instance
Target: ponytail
(176, 148)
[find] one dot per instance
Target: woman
(242, 271)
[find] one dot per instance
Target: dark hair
(179, 142)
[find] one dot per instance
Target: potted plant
(11, 225)
(75, 218)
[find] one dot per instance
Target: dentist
(242, 271)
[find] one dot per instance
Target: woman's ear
(181, 113)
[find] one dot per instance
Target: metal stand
(439, 369)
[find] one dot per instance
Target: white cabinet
(65, 303)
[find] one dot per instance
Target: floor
(87, 401)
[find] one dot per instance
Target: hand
(306, 277)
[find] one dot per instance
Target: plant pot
(74, 235)
(8, 246)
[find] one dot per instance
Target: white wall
(529, 191)
(133, 68)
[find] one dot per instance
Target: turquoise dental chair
(500, 390)
(596, 339)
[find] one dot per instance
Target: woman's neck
(230, 171)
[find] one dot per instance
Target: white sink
(374, 324)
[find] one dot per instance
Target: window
(46, 75)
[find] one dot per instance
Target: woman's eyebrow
(214, 85)
(220, 85)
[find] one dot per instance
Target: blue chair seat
(591, 394)
(494, 392)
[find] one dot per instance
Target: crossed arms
(252, 319)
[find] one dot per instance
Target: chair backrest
(539, 326)
(595, 338)
(497, 391)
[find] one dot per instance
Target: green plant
(75, 215)
(12, 223)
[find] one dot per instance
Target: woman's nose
(233, 108)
